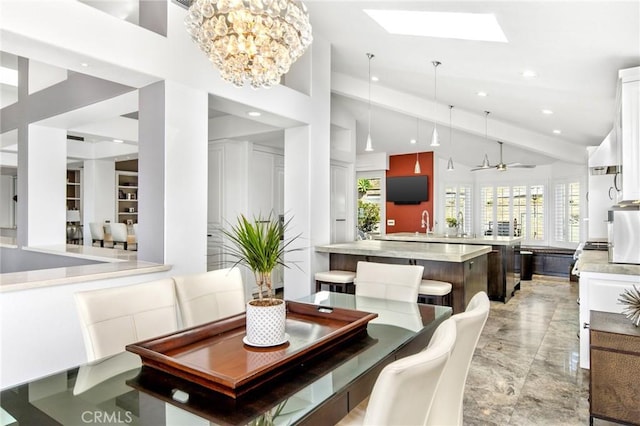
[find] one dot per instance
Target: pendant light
(450, 162)
(435, 139)
(485, 162)
(416, 168)
(369, 145)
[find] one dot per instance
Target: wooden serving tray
(214, 356)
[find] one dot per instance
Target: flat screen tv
(407, 189)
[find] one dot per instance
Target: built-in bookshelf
(127, 197)
(74, 206)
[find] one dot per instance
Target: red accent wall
(408, 217)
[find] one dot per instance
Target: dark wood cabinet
(615, 368)
(502, 276)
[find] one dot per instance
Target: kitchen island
(503, 279)
(464, 266)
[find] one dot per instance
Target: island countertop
(439, 238)
(399, 249)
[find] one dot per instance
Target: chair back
(112, 318)
(404, 391)
(118, 232)
(210, 296)
(447, 407)
(388, 281)
(97, 230)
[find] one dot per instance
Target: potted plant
(259, 245)
(452, 226)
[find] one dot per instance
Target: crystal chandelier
(250, 40)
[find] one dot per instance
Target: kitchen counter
(597, 261)
(439, 238)
(407, 250)
(503, 279)
(462, 265)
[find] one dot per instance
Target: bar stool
(436, 292)
(339, 281)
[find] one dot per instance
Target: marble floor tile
(525, 370)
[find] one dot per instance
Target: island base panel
(467, 278)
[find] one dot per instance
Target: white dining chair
(112, 318)
(209, 296)
(118, 233)
(404, 391)
(97, 233)
(447, 407)
(388, 281)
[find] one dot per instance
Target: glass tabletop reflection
(118, 390)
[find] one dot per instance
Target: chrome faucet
(425, 220)
(460, 220)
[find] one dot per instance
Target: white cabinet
(601, 196)
(599, 292)
(630, 118)
(243, 179)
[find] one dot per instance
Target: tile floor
(525, 370)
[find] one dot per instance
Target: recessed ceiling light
(254, 114)
(374, 78)
(9, 76)
(547, 111)
(413, 141)
(483, 94)
(529, 74)
(462, 26)
(84, 64)
(118, 140)
(557, 131)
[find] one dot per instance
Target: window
(513, 211)
(486, 210)
(567, 212)
(536, 196)
(519, 211)
(368, 206)
(503, 216)
(458, 199)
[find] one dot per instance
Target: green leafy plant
(363, 186)
(259, 245)
(368, 215)
(452, 222)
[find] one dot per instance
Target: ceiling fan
(501, 166)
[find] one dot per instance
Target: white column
(307, 179)
(172, 178)
(99, 189)
(47, 168)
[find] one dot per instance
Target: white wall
(98, 194)
(47, 171)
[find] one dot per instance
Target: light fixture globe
(253, 41)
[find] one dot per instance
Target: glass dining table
(321, 390)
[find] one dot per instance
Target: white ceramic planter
(265, 324)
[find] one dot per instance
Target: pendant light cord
(370, 56)
(435, 91)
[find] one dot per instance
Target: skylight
(463, 26)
